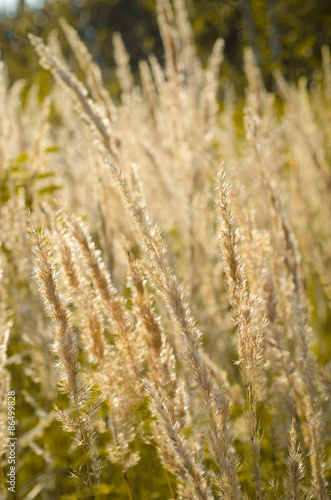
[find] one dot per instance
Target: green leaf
(44, 175)
(52, 149)
(49, 189)
(22, 157)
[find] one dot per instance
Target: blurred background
(284, 34)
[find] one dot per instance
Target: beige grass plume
(250, 351)
(71, 379)
(188, 337)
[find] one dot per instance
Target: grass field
(165, 285)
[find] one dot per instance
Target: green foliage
(285, 35)
(18, 175)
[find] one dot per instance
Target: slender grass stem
(169, 484)
(84, 448)
(128, 485)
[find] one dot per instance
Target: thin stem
(128, 485)
(85, 454)
(169, 484)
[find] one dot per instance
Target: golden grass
(184, 318)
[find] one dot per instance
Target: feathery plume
(193, 475)
(65, 347)
(249, 334)
(188, 338)
(295, 469)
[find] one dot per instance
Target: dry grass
(182, 318)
